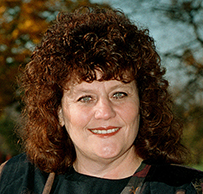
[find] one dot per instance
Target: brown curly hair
(73, 48)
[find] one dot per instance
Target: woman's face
(101, 118)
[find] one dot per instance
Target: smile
(109, 131)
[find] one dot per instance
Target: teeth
(105, 131)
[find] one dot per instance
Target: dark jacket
(19, 176)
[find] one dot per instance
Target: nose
(104, 109)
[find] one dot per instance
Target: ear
(60, 117)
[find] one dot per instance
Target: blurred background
(176, 25)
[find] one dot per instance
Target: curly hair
(72, 49)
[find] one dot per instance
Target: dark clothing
(76, 183)
(170, 179)
(19, 176)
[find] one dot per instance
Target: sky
(169, 35)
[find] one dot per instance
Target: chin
(109, 153)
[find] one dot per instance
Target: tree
(177, 26)
(188, 57)
(22, 24)
(189, 53)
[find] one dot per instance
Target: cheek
(130, 113)
(76, 118)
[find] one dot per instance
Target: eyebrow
(89, 90)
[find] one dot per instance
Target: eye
(119, 95)
(85, 99)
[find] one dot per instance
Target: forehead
(77, 77)
(99, 86)
(89, 75)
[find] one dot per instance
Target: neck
(117, 168)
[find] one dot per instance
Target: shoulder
(15, 170)
(175, 176)
(15, 164)
(19, 175)
(19, 158)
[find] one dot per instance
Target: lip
(105, 131)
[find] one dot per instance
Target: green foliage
(22, 24)
(193, 133)
(8, 138)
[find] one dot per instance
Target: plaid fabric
(165, 179)
(19, 175)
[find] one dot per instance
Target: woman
(97, 113)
